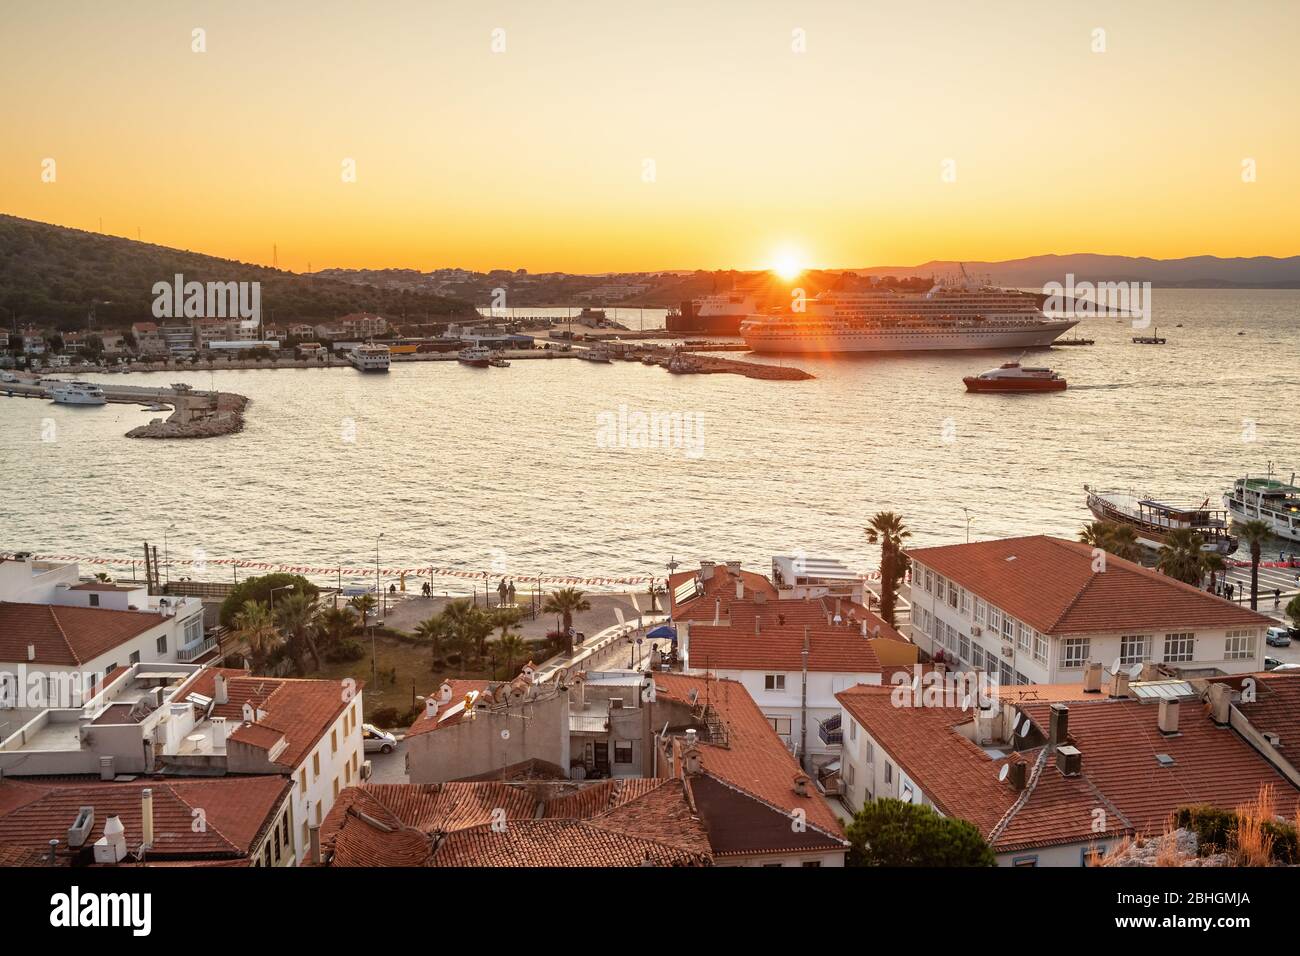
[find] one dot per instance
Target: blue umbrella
(663, 630)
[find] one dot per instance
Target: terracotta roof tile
(67, 635)
(459, 688)
(1049, 584)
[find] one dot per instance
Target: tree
(336, 625)
(566, 602)
(1113, 538)
(467, 626)
(364, 605)
(1213, 563)
(101, 576)
(254, 626)
(1181, 556)
(889, 832)
(296, 615)
(512, 648)
(259, 589)
(886, 529)
(506, 618)
(1293, 610)
(433, 630)
(1254, 533)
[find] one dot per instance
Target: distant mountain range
(1195, 272)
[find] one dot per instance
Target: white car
(372, 739)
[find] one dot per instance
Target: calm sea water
(521, 470)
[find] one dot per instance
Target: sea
(611, 472)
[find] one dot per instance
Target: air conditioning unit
(976, 630)
(367, 768)
(1008, 650)
(79, 832)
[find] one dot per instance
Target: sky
(637, 136)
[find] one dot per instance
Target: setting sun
(787, 264)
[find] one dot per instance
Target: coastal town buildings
(1057, 775)
(1038, 610)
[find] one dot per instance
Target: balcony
(193, 651)
(830, 732)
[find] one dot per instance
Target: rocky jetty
(198, 416)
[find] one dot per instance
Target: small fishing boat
(1014, 377)
(594, 355)
(1153, 339)
(475, 356)
(1075, 341)
(497, 361)
(681, 364)
(1154, 519)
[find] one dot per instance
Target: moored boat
(596, 354)
(1014, 377)
(1267, 499)
(476, 356)
(370, 357)
(1153, 520)
(78, 393)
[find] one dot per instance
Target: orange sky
(535, 157)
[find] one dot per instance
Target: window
(336, 787)
(781, 725)
(194, 629)
(889, 772)
(1023, 636)
(334, 741)
(1025, 861)
(774, 682)
(995, 619)
(1021, 679)
(952, 594)
(853, 729)
(302, 780)
(135, 657)
(1008, 628)
(850, 781)
(976, 656)
(939, 585)
(1240, 645)
(811, 863)
(963, 647)
(929, 581)
(94, 600)
(161, 644)
(1008, 675)
(1132, 649)
(315, 765)
(871, 752)
(1179, 647)
(965, 601)
(1040, 648)
(980, 609)
(1074, 651)
(622, 751)
(347, 772)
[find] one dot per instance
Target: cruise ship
(371, 357)
(888, 320)
(712, 314)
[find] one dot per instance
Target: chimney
(106, 770)
(1058, 726)
(1119, 685)
(580, 684)
(1149, 671)
(1221, 704)
(690, 738)
(740, 587)
(31, 652)
(801, 785)
(684, 644)
(220, 694)
(218, 734)
(313, 831)
(734, 567)
(706, 569)
(1017, 774)
(430, 707)
(444, 693)
(1168, 718)
(717, 610)
(146, 817)
(1092, 678)
(758, 624)
(864, 628)
(1069, 761)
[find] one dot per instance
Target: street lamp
(286, 587)
(374, 665)
(167, 561)
(966, 512)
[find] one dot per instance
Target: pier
(194, 414)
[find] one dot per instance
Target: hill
(55, 275)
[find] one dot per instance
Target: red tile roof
(235, 811)
(721, 586)
(67, 635)
(1276, 709)
(754, 759)
(612, 823)
(770, 637)
(1049, 584)
(459, 688)
(302, 711)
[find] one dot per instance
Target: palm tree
(1213, 562)
(1113, 538)
(886, 529)
(566, 602)
(256, 628)
(433, 630)
(297, 616)
(1181, 557)
(506, 618)
(1254, 533)
(512, 648)
(101, 576)
(336, 625)
(363, 604)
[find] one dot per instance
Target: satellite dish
(505, 735)
(1135, 672)
(1002, 774)
(1114, 668)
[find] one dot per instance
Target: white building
(1037, 610)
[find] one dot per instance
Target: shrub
(344, 651)
(392, 717)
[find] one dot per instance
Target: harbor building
(1039, 610)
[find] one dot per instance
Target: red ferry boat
(1014, 377)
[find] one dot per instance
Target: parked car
(372, 739)
(1271, 663)
(1278, 637)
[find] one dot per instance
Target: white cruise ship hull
(1042, 334)
(72, 398)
